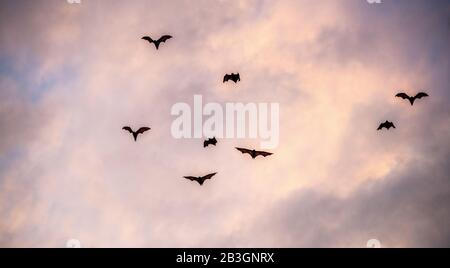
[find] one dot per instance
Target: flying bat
(163, 38)
(200, 180)
(386, 125)
(253, 153)
(412, 99)
(207, 142)
(233, 77)
(136, 133)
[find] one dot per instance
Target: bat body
(253, 153)
(136, 133)
(200, 180)
(162, 39)
(208, 142)
(412, 99)
(386, 125)
(233, 77)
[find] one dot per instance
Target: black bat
(163, 38)
(200, 180)
(386, 125)
(253, 153)
(136, 133)
(412, 99)
(232, 77)
(207, 142)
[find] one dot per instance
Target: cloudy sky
(72, 75)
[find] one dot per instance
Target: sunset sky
(71, 75)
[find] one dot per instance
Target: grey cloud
(406, 209)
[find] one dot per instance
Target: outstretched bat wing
(226, 78)
(244, 151)
(209, 176)
(147, 38)
(142, 130)
(263, 153)
(164, 38)
(128, 129)
(402, 95)
(191, 178)
(421, 95)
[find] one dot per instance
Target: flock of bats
(388, 125)
(253, 153)
(212, 141)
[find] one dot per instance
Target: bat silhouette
(136, 133)
(253, 153)
(208, 142)
(163, 38)
(200, 180)
(412, 99)
(233, 77)
(386, 125)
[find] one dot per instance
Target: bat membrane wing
(191, 178)
(264, 153)
(244, 151)
(143, 129)
(128, 129)
(147, 38)
(164, 38)
(209, 176)
(421, 95)
(402, 95)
